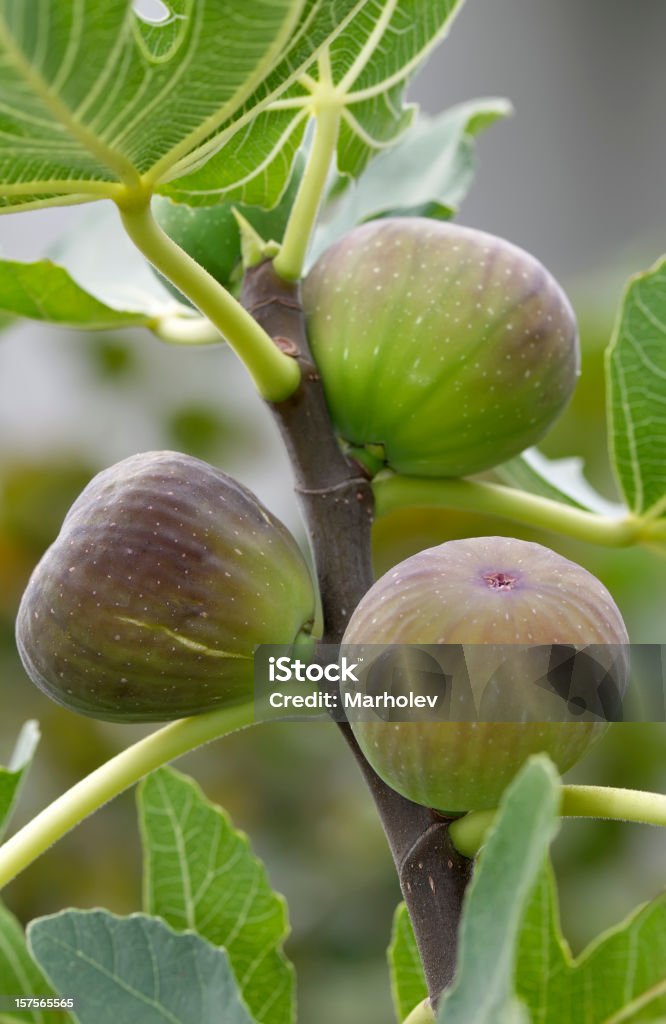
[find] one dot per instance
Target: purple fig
(485, 591)
(165, 577)
(451, 348)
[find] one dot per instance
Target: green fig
(165, 577)
(486, 592)
(451, 348)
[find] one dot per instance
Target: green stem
(275, 374)
(186, 330)
(393, 492)
(468, 833)
(288, 264)
(607, 802)
(421, 1014)
(111, 778)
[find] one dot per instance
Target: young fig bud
(165, 577)
(451, 348)
(487, 591)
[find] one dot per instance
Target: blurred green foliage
(199, 430)
(35, 497)
(112, 359)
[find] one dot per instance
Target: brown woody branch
(337, 502)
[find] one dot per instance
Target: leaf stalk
(394, 492)
(111, 779)
(275, 374)
(326, 105)
(469, 832)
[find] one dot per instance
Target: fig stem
(186, 330)
(275, 375)
(112, 778)
(469, 833)
(394, 492)
(327, 110)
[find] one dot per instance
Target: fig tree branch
(336, 498)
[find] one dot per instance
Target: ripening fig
(165, 577)
(451, 348)
(486, 591)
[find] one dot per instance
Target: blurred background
(576, 177)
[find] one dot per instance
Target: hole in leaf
(152, 11)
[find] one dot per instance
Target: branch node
(286, 345)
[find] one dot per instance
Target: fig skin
(452, 348)
(165, 576)
(485, 591)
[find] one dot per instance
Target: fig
(165, 577)
(486, 592)
(451, 348)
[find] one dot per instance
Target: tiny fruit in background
(482, 591)
(165, 577)
(453, 349)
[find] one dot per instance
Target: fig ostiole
(485, 591)
(165, 577)
(451, 348)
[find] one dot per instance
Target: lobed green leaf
(483, 987)
(636, 387)
(373, 50)
(45, 291)
(250, 159)
(253, 168)
(11, 778)
(200, 874)
(372, 61)
(427, 173)
(408, 984)
(135, 969)
(20, 975)
(621, 976)
(96, 101)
